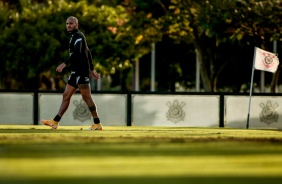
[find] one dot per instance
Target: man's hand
(61, 67)
(95, 74)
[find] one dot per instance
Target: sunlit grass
(36, 154)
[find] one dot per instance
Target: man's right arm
(61, 67)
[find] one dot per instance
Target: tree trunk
(274, 81)
(204, 70)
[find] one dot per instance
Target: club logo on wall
(175, 112)
(268, 114)
(81, 111)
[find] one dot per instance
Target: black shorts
(75, 79)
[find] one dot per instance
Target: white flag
(266, 61)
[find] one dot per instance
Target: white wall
(16, 108)
(147, 110)
(176, 110)
(111, 109)
(265, 112)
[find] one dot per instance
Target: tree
(208, 24)
(34, 37)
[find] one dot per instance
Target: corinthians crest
(266, 61)
(81, 111)
(268, 114)
(175, 112)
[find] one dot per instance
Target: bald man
(80, 61)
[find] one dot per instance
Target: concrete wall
(111, 109)
(177, 110)
(16, 108)
(265, 111)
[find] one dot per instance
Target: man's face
(71, 24)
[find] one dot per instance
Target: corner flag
(263, 60)
(266, 61)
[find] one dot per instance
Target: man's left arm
(91, 66)
(90, 60)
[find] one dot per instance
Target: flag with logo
(266, 61)
(263, 60)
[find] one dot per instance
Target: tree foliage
(34, 37)
(210, 24)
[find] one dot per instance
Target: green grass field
(147, 155)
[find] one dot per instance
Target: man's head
(71, 24)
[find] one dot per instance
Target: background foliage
(33, 41)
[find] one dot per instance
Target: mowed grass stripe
(167, 166)
(29, 154)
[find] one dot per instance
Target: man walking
(80, 61)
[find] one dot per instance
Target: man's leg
(69, 91)
(86, 96)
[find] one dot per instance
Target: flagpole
(251, 87)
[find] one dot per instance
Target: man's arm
(61, 67)
(91, 66)
(90, 60)
(95, 74)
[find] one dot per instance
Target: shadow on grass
(44, 150)
(136, 149)
(147, 180)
